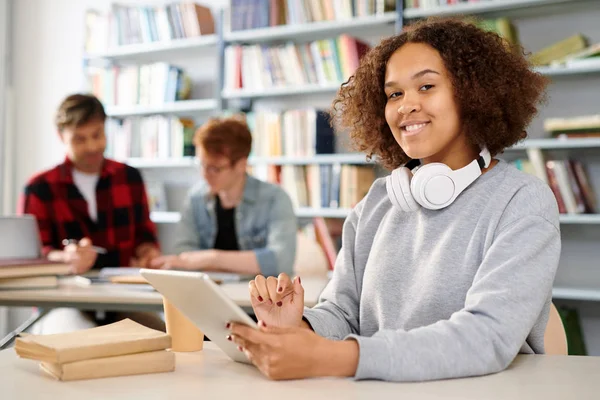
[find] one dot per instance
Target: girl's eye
(425, 87)
(395, 94)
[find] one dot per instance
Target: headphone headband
(434, 185)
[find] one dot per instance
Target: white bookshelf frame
(307, 212)
(176, 107)
(154, 48)
(557, 144)
(337, 158)
(280, 91)
(359, 158)
(567, 293)
(184, 162)
(311, 29)
(165, 217)
(483, 7)
(589, 66)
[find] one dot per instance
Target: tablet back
(204, 303)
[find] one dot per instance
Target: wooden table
(209, 374)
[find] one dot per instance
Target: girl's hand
(277, 301)
(294, 353)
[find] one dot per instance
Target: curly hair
(495, 89)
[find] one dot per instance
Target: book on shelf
(579, 126)
(26, 267)
(126, 25)
(157, 196)
(255, 14)
(322, 62)
(558, 51)
(501, 26)
(144, 85)
(322, 186)
(154, 137)
(292, 133)
(569, 182)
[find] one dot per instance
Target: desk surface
(209, 374)
(117, 297)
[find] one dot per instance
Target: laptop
(20, 237)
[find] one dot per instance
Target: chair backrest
(555, 338)
(310, 258)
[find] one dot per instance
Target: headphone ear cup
(398, 189)
(426, 178)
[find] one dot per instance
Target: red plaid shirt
(123, 221)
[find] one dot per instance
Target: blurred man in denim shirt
(232, 222)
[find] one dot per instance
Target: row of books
(429, 4)
(573, 127)
(154, 137)
(573, 50)
(569, 183)
(253, 14)
(149, 84)
(322, 62)
(323, 186)
(296, 133)
(126, 25)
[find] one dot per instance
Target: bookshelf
(281, 91)
(155, 49)
(309, 30)
(303, 94)
(490, 8)
(183, 107)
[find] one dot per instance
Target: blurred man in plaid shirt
(90, 200)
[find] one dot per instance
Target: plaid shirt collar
(66, 170)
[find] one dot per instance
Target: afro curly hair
(495, 88)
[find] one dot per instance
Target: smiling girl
(447, 264)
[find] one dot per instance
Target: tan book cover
(123, 337)
(131, 364)
(22, 267)
(31, 282)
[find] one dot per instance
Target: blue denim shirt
(264, 221)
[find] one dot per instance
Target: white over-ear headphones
(432, 186)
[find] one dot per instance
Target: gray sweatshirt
(450, 293)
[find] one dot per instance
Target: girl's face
(421, 111)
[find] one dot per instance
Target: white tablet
(204, 303)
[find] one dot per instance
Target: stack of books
(30, 273)
(119, 349)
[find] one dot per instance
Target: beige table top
(209, 374)
(127, 297)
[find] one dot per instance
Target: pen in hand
(97, 249)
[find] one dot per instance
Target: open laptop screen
(19, 237)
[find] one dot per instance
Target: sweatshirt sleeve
(509, 292)
(336, 315)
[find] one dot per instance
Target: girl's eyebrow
(424, 72)
(415, 76)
